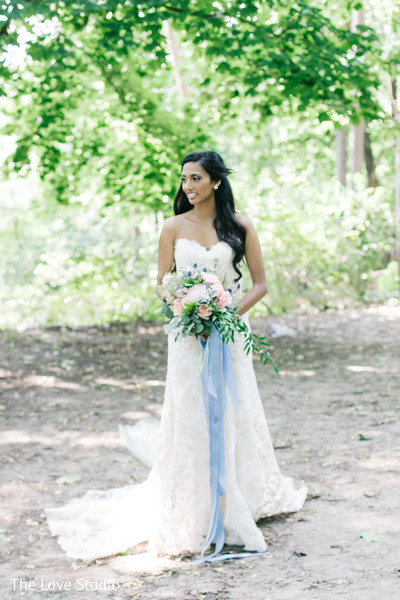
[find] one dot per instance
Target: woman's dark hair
(225, 224)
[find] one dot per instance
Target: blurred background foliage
(100, 100)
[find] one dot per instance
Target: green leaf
(371, 536)
(167, 311)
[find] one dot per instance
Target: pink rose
(204, 311)
(196, 292)
(218, 288)
(223, 299)
(209, 277)
(177, 307)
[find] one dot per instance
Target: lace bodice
(189, 253)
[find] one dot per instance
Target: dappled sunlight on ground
(367, 369)
(363, 520)
(393, 312)
(4, 373)
(130, 384)
(154, 410)
(49, 382)
(383, 465)
(16, 436)
(301, 373)
(41, 381)
(152, 330)
(333, 416)
(137, 564)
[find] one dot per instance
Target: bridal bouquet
(195, 300)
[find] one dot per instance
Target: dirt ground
(334, 417)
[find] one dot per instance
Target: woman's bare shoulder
(244, 220)
(175, 220)
(171, 224)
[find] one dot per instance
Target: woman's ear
(217, 184)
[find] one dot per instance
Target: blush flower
(223, 299)
(197, 292)
(217, 287)
(177, 307)
(204, 311)
(210, 277)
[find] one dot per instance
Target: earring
(215, 187)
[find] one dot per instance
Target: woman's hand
(203, 336)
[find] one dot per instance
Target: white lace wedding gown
(171, 509)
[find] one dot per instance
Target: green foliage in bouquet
(195, 301)
(232, 323)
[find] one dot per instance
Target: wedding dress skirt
(171, 508)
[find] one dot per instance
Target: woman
(171, 509)
(205, 214)
(206, 232)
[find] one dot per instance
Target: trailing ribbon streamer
(216, 374)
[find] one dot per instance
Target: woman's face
(196, 183)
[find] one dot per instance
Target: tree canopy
(96, 92)
(101, 99)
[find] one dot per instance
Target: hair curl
(225, 223)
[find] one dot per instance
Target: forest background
(100, 100)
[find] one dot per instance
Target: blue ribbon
(216, 374)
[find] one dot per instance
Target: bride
(171, 508)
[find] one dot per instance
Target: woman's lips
(191, 196)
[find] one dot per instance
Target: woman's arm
(255, 263)
(166, 249)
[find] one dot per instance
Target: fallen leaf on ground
(371, 537)
(69, 479)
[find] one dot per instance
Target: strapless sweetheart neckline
(201, 245)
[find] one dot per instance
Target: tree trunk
(397, 201)
(357, 131)
(341, 155)
(396, 115)
(370, 162)
(357, 147)
(173, 48)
